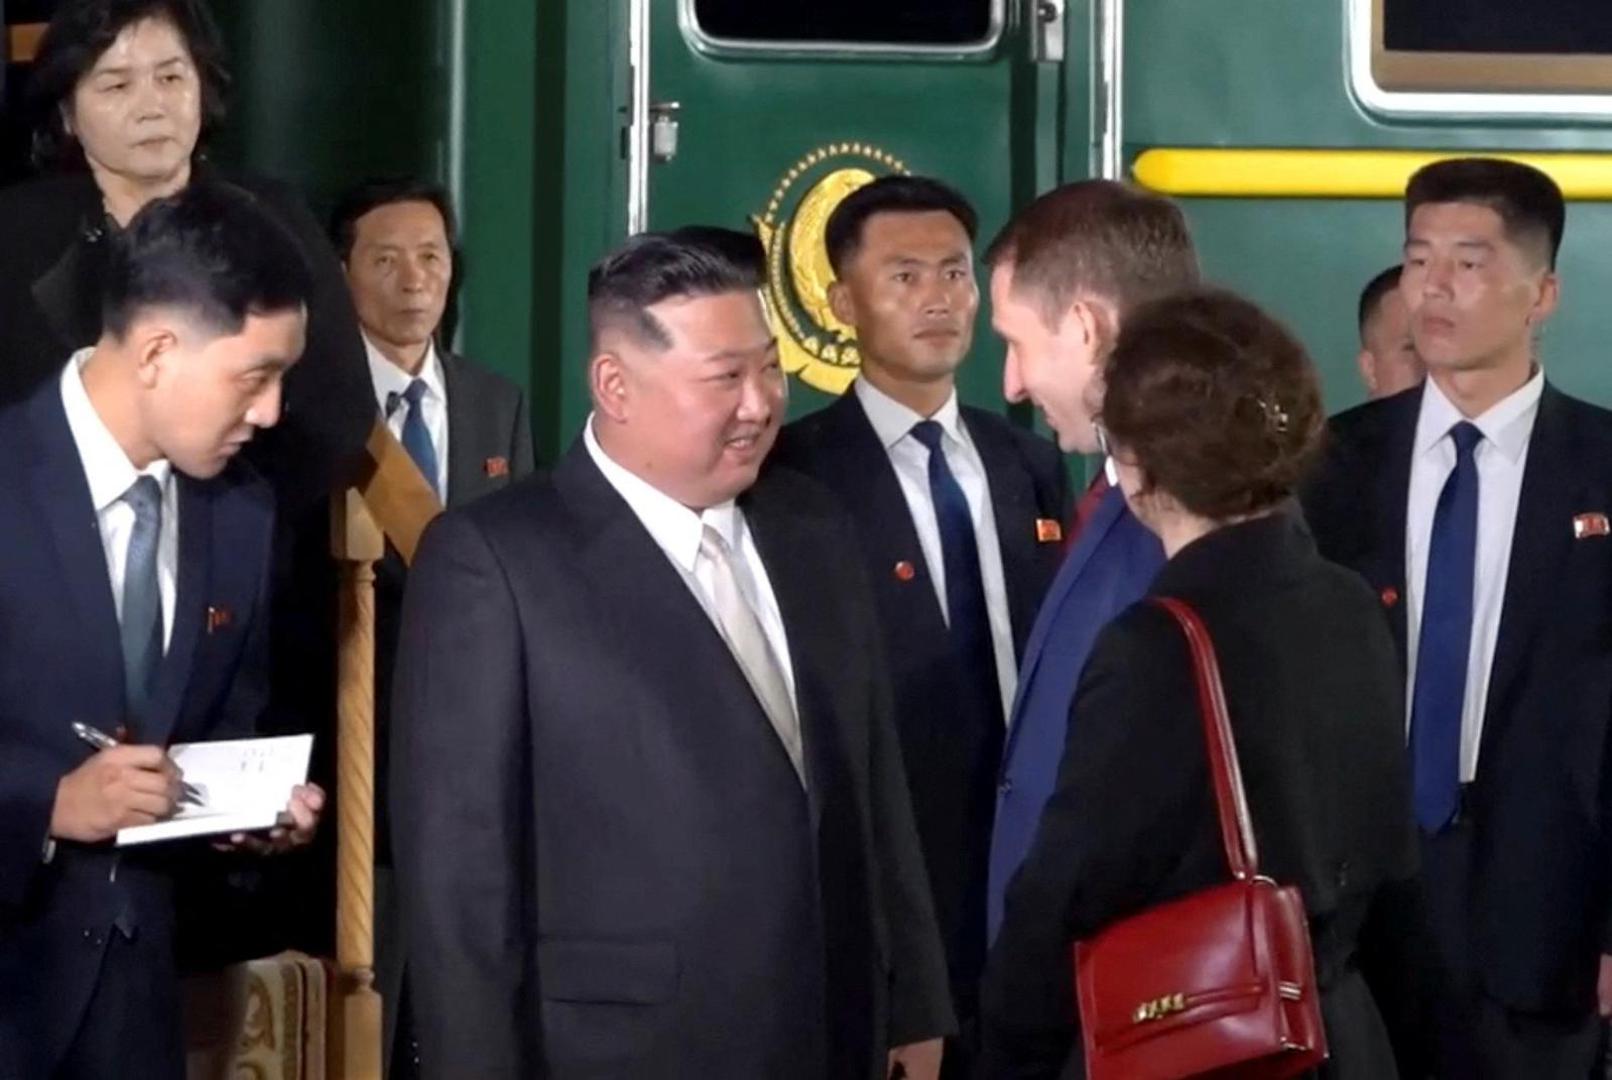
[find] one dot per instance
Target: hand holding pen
(118, 787)
(188, 792)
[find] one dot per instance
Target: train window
(1493, 46)
(819, 23)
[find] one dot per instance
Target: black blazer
(952, 757)
(489, 447)
(607, 864)
(1317, 712)
(1541, 802)
(53, 232)
(60, 661)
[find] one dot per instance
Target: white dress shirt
(110, 474)
(893, 422)
(389, 379)
(1500, 456)
(678, 530)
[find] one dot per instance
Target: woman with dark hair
(124, 92)
(1211, 415)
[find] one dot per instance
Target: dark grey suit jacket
(608, 866)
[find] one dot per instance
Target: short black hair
(81, 31)
(1528, 201)
(891, 195)
(1371, 297)
(696, 260)
(373, 194)
(211, 250)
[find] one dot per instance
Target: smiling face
(696, 417)
(1474, 294)
(1056, 368)
(137, 113)
(399, 271)
(204, 395)
(909, 292)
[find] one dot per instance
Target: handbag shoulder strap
(1236, 828)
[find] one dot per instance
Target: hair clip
(1276, 417)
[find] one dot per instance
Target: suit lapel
(465, 477)
(1013, 505)
(62, 493)
(197, 554)
(645, 590)
(1392, 488)
(1541, 542)
(872, 495)
(1102, 522)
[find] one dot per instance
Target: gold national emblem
(812, 344)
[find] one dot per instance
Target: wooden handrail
(397, 495)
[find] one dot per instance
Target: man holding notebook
(134, 565)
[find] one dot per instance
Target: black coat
(607, 864)
(53, 235)
(1317, 713)
(951, 742)
(1540, 806)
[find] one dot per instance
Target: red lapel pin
(1585, 525)
(1048, 530)
(905, 571)
(218, 618)
(1390, 596)
(496, 466)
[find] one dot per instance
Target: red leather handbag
(1220, 982)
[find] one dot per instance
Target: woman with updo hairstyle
(1211, 415)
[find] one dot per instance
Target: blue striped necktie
(1442, 653)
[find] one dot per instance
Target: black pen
(99, 739)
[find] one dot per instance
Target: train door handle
(1047, 31)
(663, 129)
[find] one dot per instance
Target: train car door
(765, 115)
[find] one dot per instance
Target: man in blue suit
(1063, 274)
(134, 563)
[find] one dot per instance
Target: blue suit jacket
(60, 661)
(1109, 568)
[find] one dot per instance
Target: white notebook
(244, 785)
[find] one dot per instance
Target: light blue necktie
(416, 436)
(1446, 639)
(141, 627)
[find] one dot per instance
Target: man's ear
(151, 343)
(608, 385)
(1366, 360)
(842, 303)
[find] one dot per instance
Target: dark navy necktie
(416, 436)
(1442, 654)
(140, 629)
(966, 614)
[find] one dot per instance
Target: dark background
(1498, 26)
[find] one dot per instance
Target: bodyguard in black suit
(134, 565)
(650, 816)
(901, 249)
(1212, 413)
(466, 428)
(1478, 507)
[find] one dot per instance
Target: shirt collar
(1506, 424)
(892, 421)
(677, 529)
(107, 468)
(389, 379)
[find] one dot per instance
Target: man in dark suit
(465, 427)
(1064, 273)
(133, 586)
(961, 537)
(1478, 505)
(650, 814)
